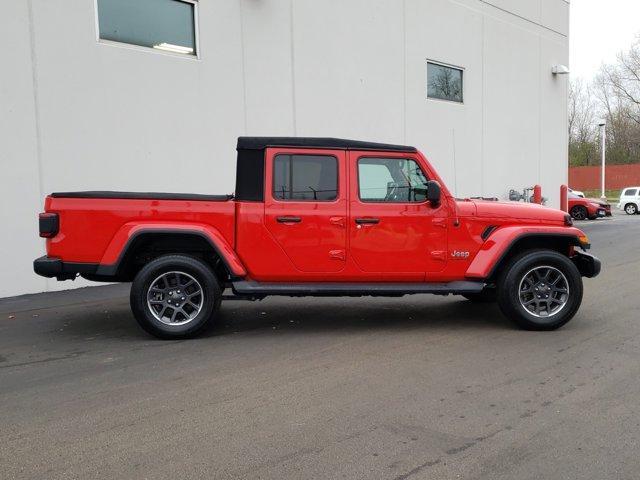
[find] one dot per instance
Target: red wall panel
(617, 177)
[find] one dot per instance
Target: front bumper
(54, 267)
(600, 211)
(588, 265)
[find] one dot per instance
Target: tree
(623, 78)
(582, 125)
(618, 91)
(613, 95)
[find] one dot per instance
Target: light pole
(603, 137)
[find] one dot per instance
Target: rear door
(306, 206)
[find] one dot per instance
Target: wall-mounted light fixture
(559, 69)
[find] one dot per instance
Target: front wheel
(631, 209)
(579, 212)
(175, 296)
(540, 290)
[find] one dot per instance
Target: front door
(393, 229)
(306, 206)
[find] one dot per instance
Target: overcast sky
(599, 30)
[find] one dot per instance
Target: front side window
(391, 180)
(444, 82)
(305, 177)
(161, 24)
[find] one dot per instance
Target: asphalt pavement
(403, 388)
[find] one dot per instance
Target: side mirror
(433, 192)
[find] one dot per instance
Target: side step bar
(258, 289)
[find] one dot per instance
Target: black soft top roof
(260, 143)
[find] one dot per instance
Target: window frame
(446, 65)
(142, 48)
(311, 200)
(384, 157)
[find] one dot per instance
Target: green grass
(612, 195)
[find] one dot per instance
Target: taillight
(49, 224)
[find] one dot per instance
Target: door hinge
(439, 222)
(337, 221)
(439, 255)
(337, 254)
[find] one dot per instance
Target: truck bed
(94, 224)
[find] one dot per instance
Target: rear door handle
(367, 221)
(288, 219)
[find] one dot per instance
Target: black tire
(186, 268)
(579, 213)
(631, 209)
(512, 280)
(488, 295)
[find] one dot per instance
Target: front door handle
(288, 219)
(367, 221)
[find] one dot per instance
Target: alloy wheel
(543, 291)
(175, 298)
(579, 213)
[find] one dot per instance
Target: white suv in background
(630, 200)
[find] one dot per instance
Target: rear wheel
(540, 290)
(175, 296)
(579, 212)
(631, 208)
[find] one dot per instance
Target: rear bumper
(588, 265)
(54, 267)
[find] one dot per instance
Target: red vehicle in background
(581, 208)
(317, 217)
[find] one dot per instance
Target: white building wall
(20, 176)
(79, 114)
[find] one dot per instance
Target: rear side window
(391, 180)
(305, 177)
(630, 192)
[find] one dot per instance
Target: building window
(391, 180)
(444, 82)
(168, 25)
(305, 177)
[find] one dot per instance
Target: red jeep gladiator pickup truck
(317, 217)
